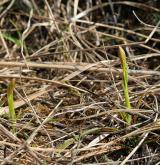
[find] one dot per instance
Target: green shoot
(9, 37)
(125, 116)
(15, 40)
(65, 144)
(12, 114)
(22, 43)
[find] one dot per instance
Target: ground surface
(69, 97)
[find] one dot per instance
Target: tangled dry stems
(69, 94)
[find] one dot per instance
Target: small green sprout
(125, 116)
(12, 114)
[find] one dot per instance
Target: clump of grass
(12, 114)
(125, 116)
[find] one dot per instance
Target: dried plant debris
(79, 82)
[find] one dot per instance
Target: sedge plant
(125, 116)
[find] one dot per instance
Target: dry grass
(68, 96)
